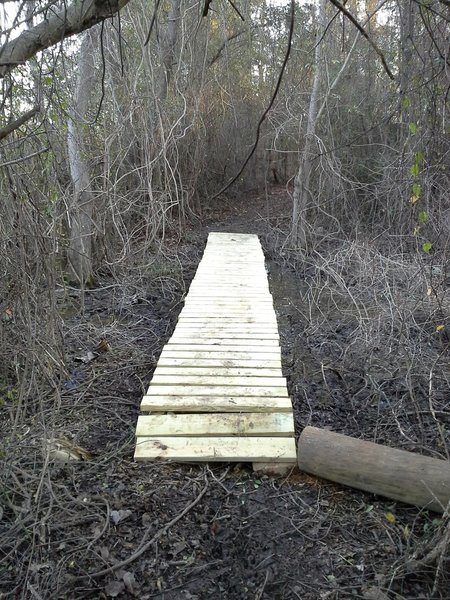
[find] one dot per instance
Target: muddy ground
(108, 527)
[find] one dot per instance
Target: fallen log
(397, 474)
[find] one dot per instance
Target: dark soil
(101, 528)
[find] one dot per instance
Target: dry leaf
(102, 346)
(63, 450)
(87, 358)
(119, 515)
(114, 588)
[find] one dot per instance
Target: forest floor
(101, 527)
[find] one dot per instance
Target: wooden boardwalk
(218, 393)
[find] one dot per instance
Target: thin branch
(23, 158)
(272, 100)
(8, 129)
(236, 9)
(155, 12)
(231, 37)
(364, 33)
(337, 78)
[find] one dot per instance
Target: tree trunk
(80, 210)
(168, 60)
(302, 179)
(397, 474)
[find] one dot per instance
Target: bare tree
(302, 179)
(80, 211)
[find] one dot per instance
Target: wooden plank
(222, 334)
(200, 320)
(217, 424)
(221, 348)
(219, 363)
(240, 391)
(219, 449)
(217, 371)
(265, 344)
(217, 404)
(231, 302)
(230, 356)
(216, 380)
(228, 327)
(236, 301)
(189, 328)
(216, 313)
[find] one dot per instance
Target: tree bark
(80, 212)
(77, 17)
(397, 474)
(168, 60)
(302, 180)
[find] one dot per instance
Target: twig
(24, 158)
(5, 131)
(363, 32)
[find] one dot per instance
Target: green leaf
(417, 189)
(412, 128)
(406, 102)
(414, 170)
(390, 517)
(419, 156)
(426, 246)
(423, 217)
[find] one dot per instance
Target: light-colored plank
(267, 344)
(242, 363)
(197, 404)
(216, 313)
(216, 380)
(223, 335)
(202, 321)
(226, 320)
(238, 449)
(256, 349)
(240, 391)
(217, 371)
(216, 424)
(228, 327)
(229, 356)
(236, 301)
